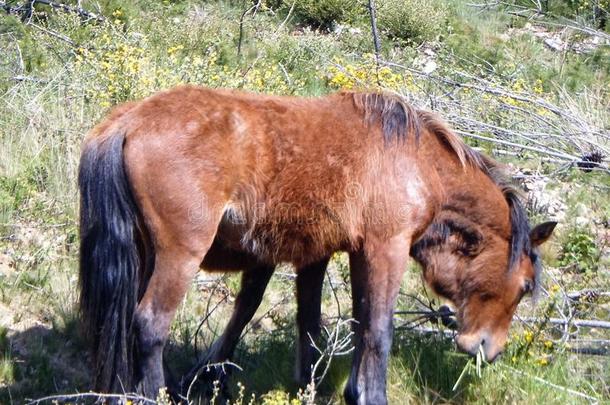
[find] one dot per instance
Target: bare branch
(97, 396)
(27, 9)
(377, 43)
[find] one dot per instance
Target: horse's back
(277, 167)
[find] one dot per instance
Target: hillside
(527, 83)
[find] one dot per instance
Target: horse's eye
(528, 286)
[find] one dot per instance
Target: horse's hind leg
(167, 287)
(253, 284)
(309, 296)
(180, 244)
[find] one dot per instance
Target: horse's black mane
(520, 226)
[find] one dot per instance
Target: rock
(581, 209)
(429, 67)
(555, 44)
(581, 221)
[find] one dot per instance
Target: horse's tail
(110, 237)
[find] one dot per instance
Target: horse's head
(477, 270)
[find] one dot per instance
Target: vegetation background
(526, 81)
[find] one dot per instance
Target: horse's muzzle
(473, 343)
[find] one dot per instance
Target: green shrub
(591, 12)
(411, 20)
(325, 13)
(580, 250)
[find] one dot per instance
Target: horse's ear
(541, 233)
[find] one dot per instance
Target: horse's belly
(274, 240)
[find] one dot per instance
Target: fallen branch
(444, 312)
(98, 397)
(193, 375)
(338, 343)
(21, 78)
(53, 34)
(446, 334)
(538, 125)
(26, 9)
(252, 9)
(589, 294)
(586, 323)
(376, 42)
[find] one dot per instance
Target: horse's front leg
(309, 296)
(376, 272)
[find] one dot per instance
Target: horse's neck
(472, 194)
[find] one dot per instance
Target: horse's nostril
(495, 357)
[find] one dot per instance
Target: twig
(586, 323)
(575, 295)
(337, 345)
(54, 34)
(279, 28)
(206, 317)
(518, 145)
(20, 9)
(376, 42)
(253, 9)
(193, 375)
(21, 78)
(87, 395)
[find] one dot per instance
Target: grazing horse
(229, 181)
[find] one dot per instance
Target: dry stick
(205, 318)
(87, 395)
(564, 156)
(376, 42)
(58, 6)
(207, 367)
(495, 128)
(487, 89)
(562, 22)
(336, 346)
(586, 323)
(76, 10)
(54, 34)
(332, 288)
(287, 17)
(563, 308)
(574, 295)
(253, 8)
(519, 97)
(250, 326)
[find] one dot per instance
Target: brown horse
(230, 181)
